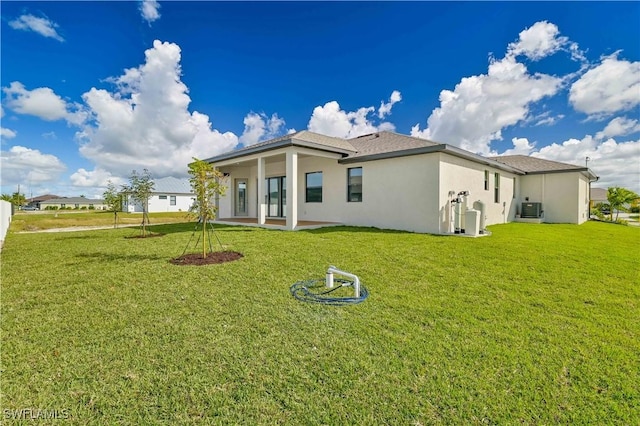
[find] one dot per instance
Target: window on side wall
(162, 197)
(172, 200)
(486, 180)
(354, 184)
(514, 188)
(496, 191)
(313, 187)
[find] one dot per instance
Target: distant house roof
(599, 195)
(72, 200)
(380, 145)
(42, 198)
(171, 185)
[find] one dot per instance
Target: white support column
(261, 194)
(292, 190)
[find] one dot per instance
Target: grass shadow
(111, 257)
(79, 237)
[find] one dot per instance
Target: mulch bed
(211, 259)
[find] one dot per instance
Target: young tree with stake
(140, 189)
(207, 184)
(113, 200)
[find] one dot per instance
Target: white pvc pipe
(333, 270)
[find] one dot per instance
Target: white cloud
(93, 179)
(539, 41)
(43, 26)
(548, 120)
(521, 146)
(617, 163)
(480, 107)
(149, 10)
(25, 165)
(619, 126)
(49, 135)
(610, 87)
(259, 127)
(476, 111)
(41, 102)
(145, 122)
(7, 133)
(385, 108)
(331, 120)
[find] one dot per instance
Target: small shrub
(634, 209)
(83, 208)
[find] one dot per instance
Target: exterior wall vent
(531, 210)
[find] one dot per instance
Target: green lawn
(38, 221)
(536, 324)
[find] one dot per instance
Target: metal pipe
(356, 281)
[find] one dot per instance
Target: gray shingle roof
(301, 138)
(535, 165)
(376, 146)
(171, 185)
(317, 138)
(385, 142)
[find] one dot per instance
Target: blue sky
(93, 90)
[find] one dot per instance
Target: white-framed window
(354, 184)
(172, 200)
(496, 188)
(313, 192)
(486, 180)
(162, 197)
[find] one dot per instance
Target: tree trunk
(204, 238)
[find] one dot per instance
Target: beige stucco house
(388, 180)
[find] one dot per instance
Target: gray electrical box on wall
(531, 210)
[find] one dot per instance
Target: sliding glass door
(241, 205)
(276, 196)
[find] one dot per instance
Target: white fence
(5, 219)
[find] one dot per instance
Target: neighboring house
(35, 201)
(73, 203)
(598, 195)
(393, 181)
(169, 195)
